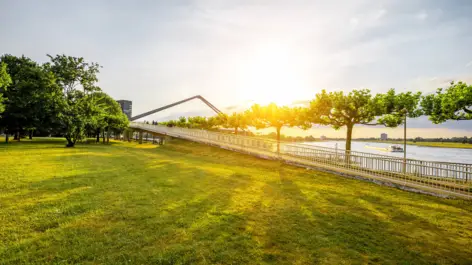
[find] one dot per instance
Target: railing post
(404, 146)
(336, 155)
(467, 174)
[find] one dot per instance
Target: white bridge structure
(448, 179)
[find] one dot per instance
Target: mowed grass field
(187, 203)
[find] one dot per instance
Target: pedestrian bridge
(449, 179)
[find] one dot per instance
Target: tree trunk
(16, 136)
(6, 136)
(98, 136)
(108, 136)
(349, 137)
(70, 143)
(31, 135)
(103, 136)
(278, 139)
(235, 130)
(348, 142)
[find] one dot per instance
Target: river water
(457, 155)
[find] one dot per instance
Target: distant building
(322, 137)
(126, 107)
(383, 136)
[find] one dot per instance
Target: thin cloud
(422, 15)
(380, 14)
(469, 64)
(354, 21)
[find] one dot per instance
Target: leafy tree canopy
(453, 103)
(394, 107)
(237, 121)
(338, 109)
(31, 97)
(5, 81)
(74, 71)
(277, 117)
(78, 110)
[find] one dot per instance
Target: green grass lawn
(186, 203)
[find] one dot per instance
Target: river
(457, 155)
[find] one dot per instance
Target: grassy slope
(189, 203)
(431, 144)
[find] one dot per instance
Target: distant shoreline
(428, 144)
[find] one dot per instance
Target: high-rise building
(126, 107)
(383, 136)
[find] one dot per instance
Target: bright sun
(270, 75)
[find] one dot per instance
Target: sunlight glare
(270, 75)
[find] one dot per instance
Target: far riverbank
(429, 144)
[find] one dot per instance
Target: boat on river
(391, 148)
(395, 148)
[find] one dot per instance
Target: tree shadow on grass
(44, 143)
(295, 229)
(404, 237)
(162, 219)
(175, 211)
(443, 228)
(351, 225)
(29, 146)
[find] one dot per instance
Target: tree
(182, 122)
(197, 122)
(213, 121)
(31, 97)
(394, 108)
(72, 72)
(5, 81)
(338, 110)
(453, 103)
(277, 117)
(360, 107)
(77, 108)
(99, 113)
(170, 123)
(237, 121)
(117, 123)
(16, 97)
(74, 116)
(106, 116)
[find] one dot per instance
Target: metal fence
(439, 177)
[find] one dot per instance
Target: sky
(236, 53)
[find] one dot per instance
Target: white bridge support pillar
(140, 137)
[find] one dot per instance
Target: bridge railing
(439, 177)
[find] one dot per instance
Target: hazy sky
(235, 53)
